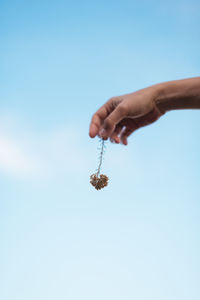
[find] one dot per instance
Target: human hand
(120, 116)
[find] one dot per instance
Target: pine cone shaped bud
(99, 182)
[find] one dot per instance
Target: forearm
(178, 94)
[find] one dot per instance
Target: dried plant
(98, 180)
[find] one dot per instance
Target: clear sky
(139, 238)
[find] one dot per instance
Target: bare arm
(179, 94)
(120, 116)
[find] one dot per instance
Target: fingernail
(117, 141)
(102, 133)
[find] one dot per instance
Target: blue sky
(61, 239)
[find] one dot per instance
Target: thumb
(112, 120)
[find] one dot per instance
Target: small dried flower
(99, 181)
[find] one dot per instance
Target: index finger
(99, 117)
(97, 120)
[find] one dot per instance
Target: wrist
(179, 94)
(162, 97)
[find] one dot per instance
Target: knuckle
(94, 116)
(108, 124)
(94, 120)
(122, 109)
(114, 101)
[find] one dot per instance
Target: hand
(120, 116)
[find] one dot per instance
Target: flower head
(99, 182)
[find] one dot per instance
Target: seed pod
(99, 182)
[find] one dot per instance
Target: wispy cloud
(14, 160)
(26, 154)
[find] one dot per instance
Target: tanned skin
(120, 116)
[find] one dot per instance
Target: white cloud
(14, 160)
(26, 154)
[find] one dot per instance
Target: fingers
(97, 121)
(112, 120)
(103, 118)
(101, 114)
(95, 125)
(123, 130)
(137, 123)
(125, 134)
(115, 135)
(121, 134)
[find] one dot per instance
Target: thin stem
(101, 157)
